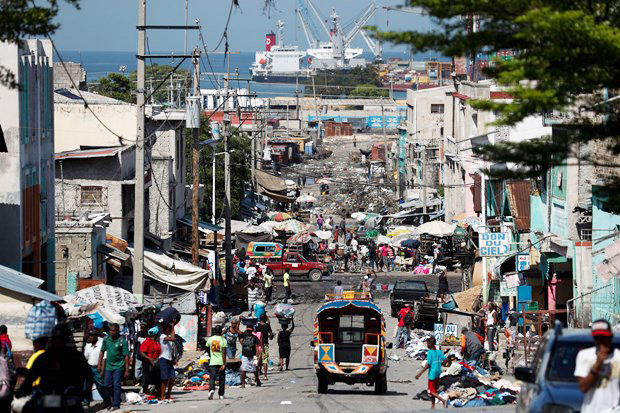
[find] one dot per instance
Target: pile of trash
(195, 376)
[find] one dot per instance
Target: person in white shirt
(354, 244)
(251, 271)
(91, 353)
(598, 371)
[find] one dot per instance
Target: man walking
(92, 350)
(598, 371)
(268, 284)
(116, 364)
(264, 328)
(287, 285)
(250, 347)
(166, 362)
(405, 322)
(216, 346)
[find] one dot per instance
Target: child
(284, 344)
(434, 358)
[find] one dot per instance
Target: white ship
(279, 62)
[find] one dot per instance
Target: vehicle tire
(381, 384)
(322, 386)
(315, 275)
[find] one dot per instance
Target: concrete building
(80, 251)
(27, 161)
(429, 119)
(98, 181)
(70, 71)
(83, 141)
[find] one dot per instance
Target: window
(91, 195)
(437, 108)
(129, 196)
(351, 329)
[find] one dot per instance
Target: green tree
(567, 54)
(121, 87)
(240, 169)
(116, 86)
(20, 19)
(369, 91)
(335, 83)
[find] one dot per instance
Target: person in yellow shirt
(39, 345)
(268, 279)
(287, 285)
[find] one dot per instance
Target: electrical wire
(225, 34)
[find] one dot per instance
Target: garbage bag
(284, 310)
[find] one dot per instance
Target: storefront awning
(23, 287)
(203, 227)
(278, 197)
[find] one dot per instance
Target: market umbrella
(401, 230)
(437, 228)
(291, 226)
(306, 198)
(410, 243)
(268, 226)
(324, 181)
(323, 234)
(382, 239)
(301, 238)
(280, 216)
(404, 237)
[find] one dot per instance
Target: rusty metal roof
(519, 199)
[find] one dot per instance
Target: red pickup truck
(297, 266)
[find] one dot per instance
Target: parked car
(407, 292)
(549, 384)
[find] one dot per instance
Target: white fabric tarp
(113, 299)
(173, 272)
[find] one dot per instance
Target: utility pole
(316, 109)
(424, 180)
(228, 229)
(138, 231)
(196, 165)
(385, 143)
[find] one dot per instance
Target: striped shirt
(390, 252)
(252, 293)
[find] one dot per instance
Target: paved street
(296, 390)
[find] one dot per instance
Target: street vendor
(471, 345)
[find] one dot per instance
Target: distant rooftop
(72, 96)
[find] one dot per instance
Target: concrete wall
(62, 79)
(76, 126)
(76, 252)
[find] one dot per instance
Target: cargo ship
(279, 63)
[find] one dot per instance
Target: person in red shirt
(150, 350)
(405, 323)
(5, 341)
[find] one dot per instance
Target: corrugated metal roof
(519, 199)
(88, 153)
(23, 284)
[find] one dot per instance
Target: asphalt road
(296, 390)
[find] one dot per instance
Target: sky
(110, 25)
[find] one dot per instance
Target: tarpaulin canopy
(173, 272)
(273, 186)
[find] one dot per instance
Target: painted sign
(452, 330)
(438, 332)
(512, 280)
(506, 291)
(494, 244)
(326, 353)
(523, 262)
(370, 354)
(188, 330)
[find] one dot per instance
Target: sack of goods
(168, 315)
(218, 318)
(284, 310)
